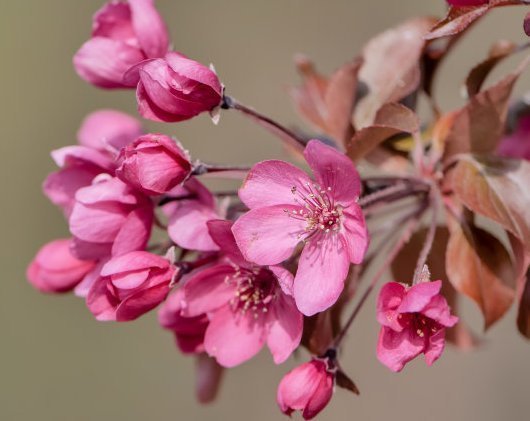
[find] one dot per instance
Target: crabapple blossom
(154, 164)
(413, 322)
(248, 306)
(123, 35)
(130, 285)
(55, 269)
(307, 388)
(287, 207)
(174, 88)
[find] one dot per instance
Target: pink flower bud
(130, 285)
(154, 164)
(308, 388)
(123, 34)
(55, 269)
(413, 322)
(174, 88)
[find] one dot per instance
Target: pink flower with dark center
(517, 144)
(248, 306)
(307, 388)
(101, 136)
(108, 131)
(130, 285)
(189, 331)
(123, 34)
(189, 213)
(287, 207)
(413, 321)
(154, 164)
(55, 269)
(110, 218)
(174, 88)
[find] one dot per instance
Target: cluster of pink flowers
(235, 271)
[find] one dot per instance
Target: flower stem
(403, 239)
(276, 128)
(201, 168)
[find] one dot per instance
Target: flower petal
(395, 349)
(439, 310)
(149, 27)
(271, 183)
(354, 233)
(141, 302)
(333, 170)
(233, 338)
(268, 236)
(388, 301)
(418, 296)
(322, 269)
(285, 279)
(434, 347)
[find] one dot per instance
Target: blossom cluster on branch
(278, 263)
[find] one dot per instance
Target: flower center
(423, 326)
(319, 210)
(255, 289)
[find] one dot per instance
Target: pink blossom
(101, 136)
(517, 143)
(248, 306)
(413, 321)
(307, 388)
(123, 34)
(55, 269)
(108, 130)
(154, 164)
(110, 218)
(174, 88)
(130, 285)
(189, 213)
(287, 207)
(189, 331)
(467, 2)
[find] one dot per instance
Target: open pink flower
(123, 34)
(55, 269)
(307, 388)
(413, 321)
(189, 331)
(154, 164)
(189, 213)
(517, 143)
(247, 305)
(174, 88)
(108, 130)
(130, 285)
(110, 218)
(287, 207)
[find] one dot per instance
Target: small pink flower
(110, 218)
(154, 164)
(102, 134)
(189, 215)
(307, 388)
(467, 2)
(174, 88)
(108, 130)
(123, 34)
(189, 331)
(247, 305)
(55, 269)
(287, 207)
(517, 143)
(130, 285)
(413, 322)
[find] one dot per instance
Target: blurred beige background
(57, 363)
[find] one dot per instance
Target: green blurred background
(57, 363)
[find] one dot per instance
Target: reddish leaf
(391, 67)
(403, 269)
(498, 52)
(498, 189)
(479, 125)
(522, 263)
(479, 266)
(390, 120)
(523, 314)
